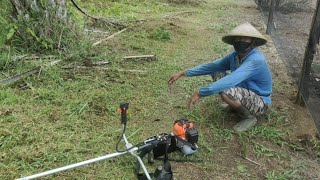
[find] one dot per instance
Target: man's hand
(194, 99)
(175, 77)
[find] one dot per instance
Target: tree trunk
(24, 8)
(270, 18)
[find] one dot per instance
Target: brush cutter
(159, 145)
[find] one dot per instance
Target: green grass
(7, 26)
(262, 150)
(268, 133)
(70, 115)
(126, 9)
(243, 170)
(287, 174)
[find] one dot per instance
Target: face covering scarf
(241, 46)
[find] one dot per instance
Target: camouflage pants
(248, 99)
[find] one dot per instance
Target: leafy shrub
(45, 31)
(288, 174)
(161, 34)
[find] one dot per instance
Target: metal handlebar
(130, 149)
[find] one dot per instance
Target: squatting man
(247, 89)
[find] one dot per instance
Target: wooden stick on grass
(249, 160)
(109, 37)
(146, 57)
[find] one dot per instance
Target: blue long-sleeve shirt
(252, 73)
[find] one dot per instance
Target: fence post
(270, 18)
(277, 4)
(260, 3)
(313, 40)
(304, 85)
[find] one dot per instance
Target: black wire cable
(122, 133)
(81, 10)
(121, 136)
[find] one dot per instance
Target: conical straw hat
(245, 30)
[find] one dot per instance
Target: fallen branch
(17, 77)
(35, 70)
(109, 37)
(104, 68)
(145, 57)
(249, 160)
(89, 63)
(100, 63)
